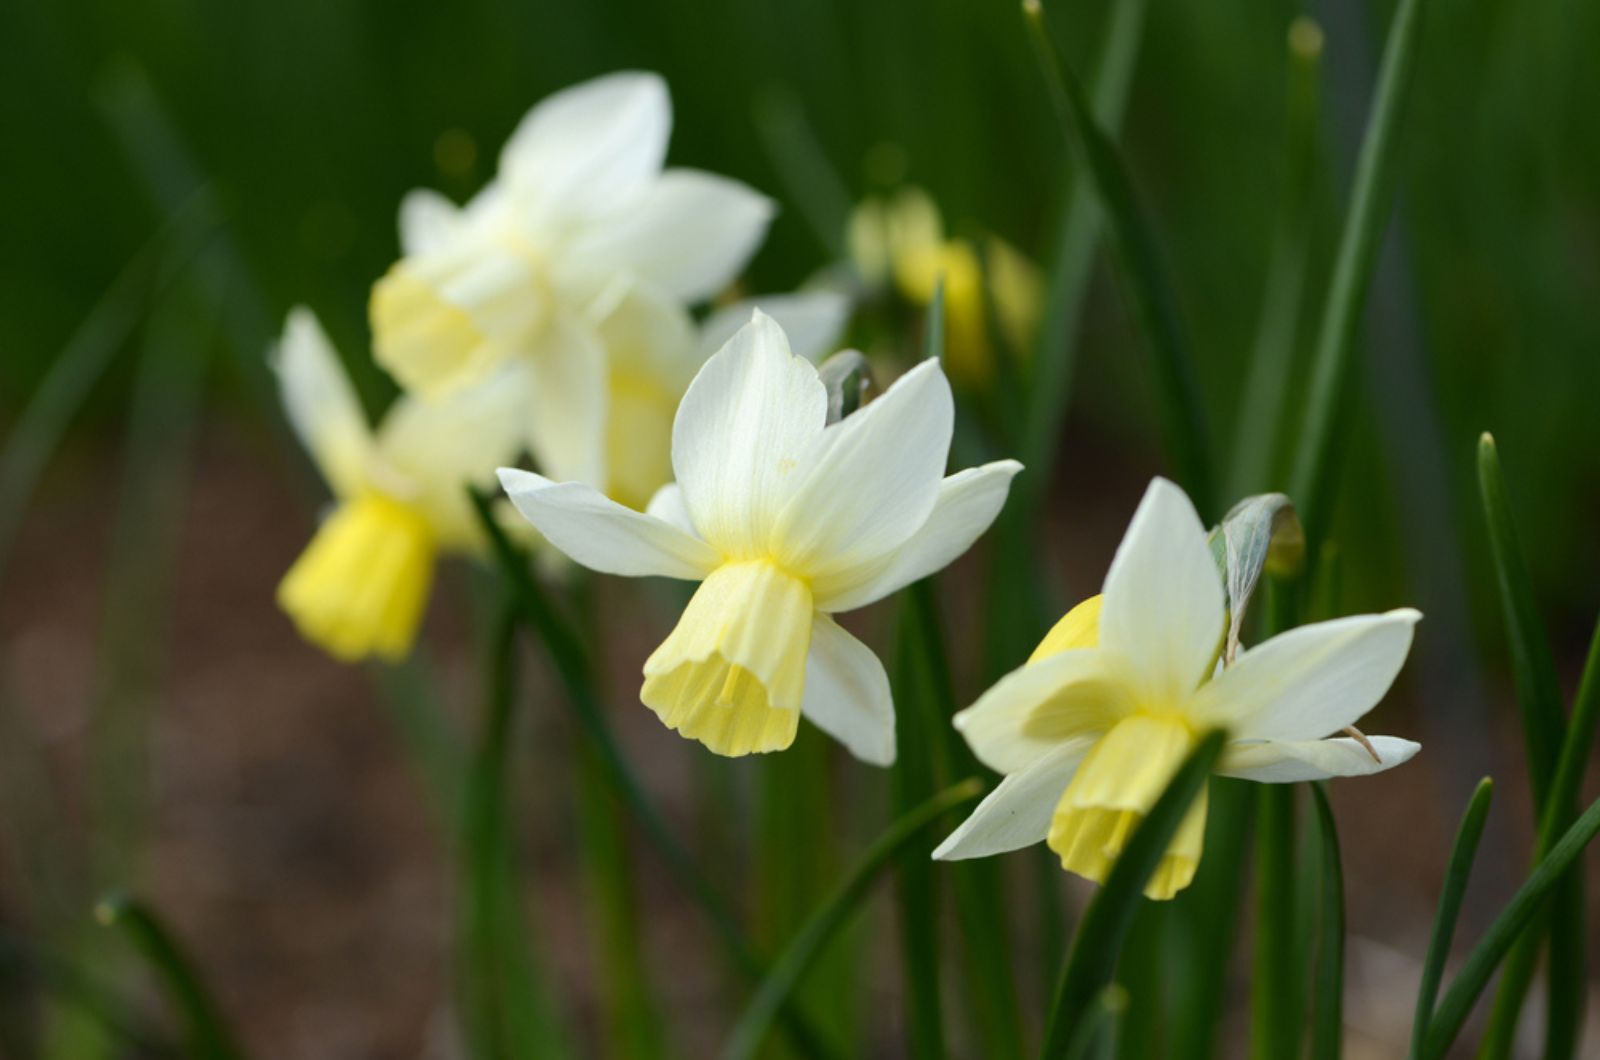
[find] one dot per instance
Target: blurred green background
(306, 120)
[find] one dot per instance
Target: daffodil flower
(580, 213)
(655, 348)
(361, 586)
(785, 520)
(1091, 729)
(904, 239)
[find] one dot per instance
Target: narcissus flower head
(580, 212)
(1089, 732)
(361, 586)
(785, 520)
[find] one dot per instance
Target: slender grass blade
(1327, 1002)
(802, 952)
(1449, 909)
(1154, 304)
(1311, 479)
(206, 1031)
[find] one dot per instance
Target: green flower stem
(1327, 1007)
(1449, 908)
(504, 1009)
(1275, 1003)
(573, 669)
(809, 942)
(206, 1031)
(1258, 438)
(1311, 481)
(1154, 304)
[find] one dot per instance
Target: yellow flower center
(638, 437)
(359, 588)
(1112, 791)
(732, 672)
(441, 323)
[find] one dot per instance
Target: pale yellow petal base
(1112, 791)
(360, 587)
(732, 672)
(1078, 628)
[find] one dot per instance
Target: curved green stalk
(1327, 1005)
(1449, 908)
(1093, 957)
(504, 1009)
(1275, 997)
(207, 1032)
(793, 964)
(573, 669)
(1258, 437)
(1311, 480)
(1154, 303)
(1507, 927)
(1539, 699)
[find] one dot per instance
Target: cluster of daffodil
(550, 316)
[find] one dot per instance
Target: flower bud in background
(361, 587)
(902, 241)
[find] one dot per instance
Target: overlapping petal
(429, 222)
(588, 147)
(1032, 710)
(601, 534)
(1017, 812)
(813, 320)
(1309, 682)
(1287, 761)
(567, 404)
(847, 693)
(689, 233)
(1164, 604)
(966, 505)
(868, 482)
(321, 404)
(741, 431)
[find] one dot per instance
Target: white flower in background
(360, 587)
(1089, 732)
(655, 349)
(785, 520)
(581, 213)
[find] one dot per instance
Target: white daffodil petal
(567, 402)
(667, 505)
(1030, 711)
(428, 222)
(1310, 681)
(690, 234)
(967, 503)
(601, 534)
(586, 148)
(847, 693)
(321, 404)
(868, 482)
(813, 320)
(740, 431)
(1288, 761)
(1017, 813)
(1163, 597)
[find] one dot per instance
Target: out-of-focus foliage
(311, 119)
